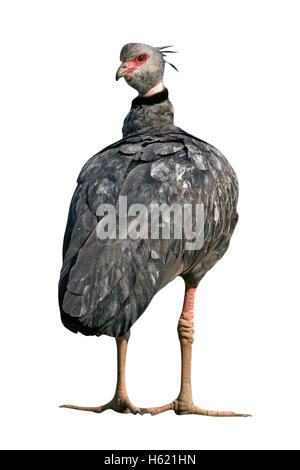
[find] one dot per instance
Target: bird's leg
(120, 401)
(184, 402)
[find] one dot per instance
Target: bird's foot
(120, 403)
(188, 408)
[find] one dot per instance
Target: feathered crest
(163, 51)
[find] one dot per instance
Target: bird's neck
(156, 89)
(149, 114)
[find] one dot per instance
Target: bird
(107, 282)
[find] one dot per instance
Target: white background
(238, 88)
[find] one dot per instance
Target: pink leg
(120, 401)
(183, 404)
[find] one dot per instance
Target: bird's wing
(107, 284)
(99, 182)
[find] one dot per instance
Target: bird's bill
(125, 69)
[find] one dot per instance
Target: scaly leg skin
(120, 401)
(184, 405)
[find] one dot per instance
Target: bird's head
(142, 66)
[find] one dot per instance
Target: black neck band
(149, 100)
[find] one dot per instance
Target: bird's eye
(141, 58)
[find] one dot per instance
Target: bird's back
(106, 284)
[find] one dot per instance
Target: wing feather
(107, 284)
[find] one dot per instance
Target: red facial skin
(136, 62)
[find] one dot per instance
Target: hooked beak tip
(120, 72)
(124, 70)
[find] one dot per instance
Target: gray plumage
(106, 285)
(149, 118)
(152, 72)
